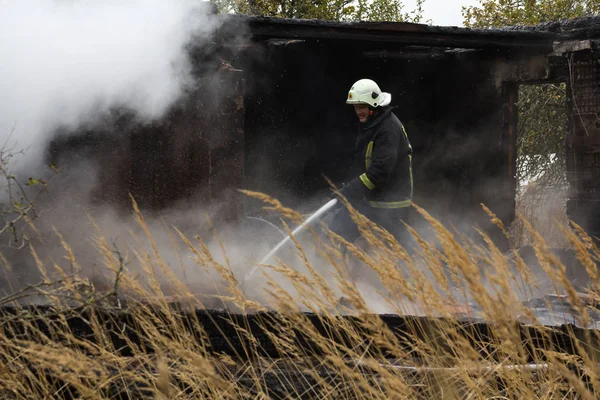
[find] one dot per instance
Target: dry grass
(138, 345)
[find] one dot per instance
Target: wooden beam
(399, 33)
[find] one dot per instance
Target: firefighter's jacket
(383, 163)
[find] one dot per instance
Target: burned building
(269, 115)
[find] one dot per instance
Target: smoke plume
(64, 63)
(65, 66)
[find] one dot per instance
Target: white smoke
(64, 63)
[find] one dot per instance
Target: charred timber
(221, 334)
(575, 28)
(261, 28)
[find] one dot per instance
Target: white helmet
(366, 91)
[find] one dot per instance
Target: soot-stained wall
(192, 157)
(583, 140)
(298, 127)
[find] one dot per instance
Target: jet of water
(318, 214)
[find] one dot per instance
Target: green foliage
(498, 13)
(542, 127)
(17, 207)
(332, 10)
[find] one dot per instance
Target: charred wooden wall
(583, 139)
(194, 155)
(298, 127)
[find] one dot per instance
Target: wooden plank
(227, 160)
(569, 46)
(509, 145)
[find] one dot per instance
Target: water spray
(318, 214)
(272, 225)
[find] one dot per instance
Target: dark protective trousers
(391, 220)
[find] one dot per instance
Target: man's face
(362, 112)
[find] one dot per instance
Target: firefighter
(381, 187)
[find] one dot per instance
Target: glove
(353, 190)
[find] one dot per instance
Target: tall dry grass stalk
(132, 340)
